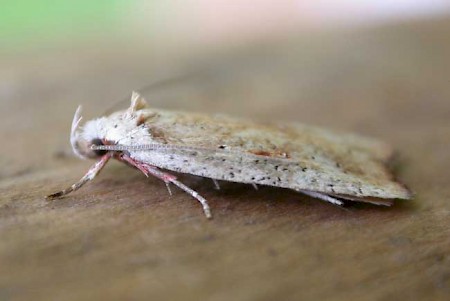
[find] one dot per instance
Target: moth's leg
(168, 178)
(168, 188)
(255, 186)
(322, 196)
(90, 175)
(216, 184)
(371, 200)
(144, 168)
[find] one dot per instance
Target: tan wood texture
(123, 237)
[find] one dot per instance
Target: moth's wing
(323, 137)
(301, 157)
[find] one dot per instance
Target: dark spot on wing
(158, 134)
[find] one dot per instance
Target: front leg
(90, 175)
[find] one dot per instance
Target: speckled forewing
(292, 156)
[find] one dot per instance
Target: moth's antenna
(158, 146)
(143, 147)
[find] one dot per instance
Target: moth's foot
(55, 195)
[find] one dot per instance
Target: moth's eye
(98, 152)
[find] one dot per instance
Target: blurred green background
(31, 24)
(26, 23)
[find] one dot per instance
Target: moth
(320, 163)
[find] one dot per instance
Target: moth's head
(104, 130)
(82, 139)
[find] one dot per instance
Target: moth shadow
(399, 206)
(277, 202)
(263, 201)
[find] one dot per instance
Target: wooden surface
(123, 238)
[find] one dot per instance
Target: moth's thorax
(114, 129)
